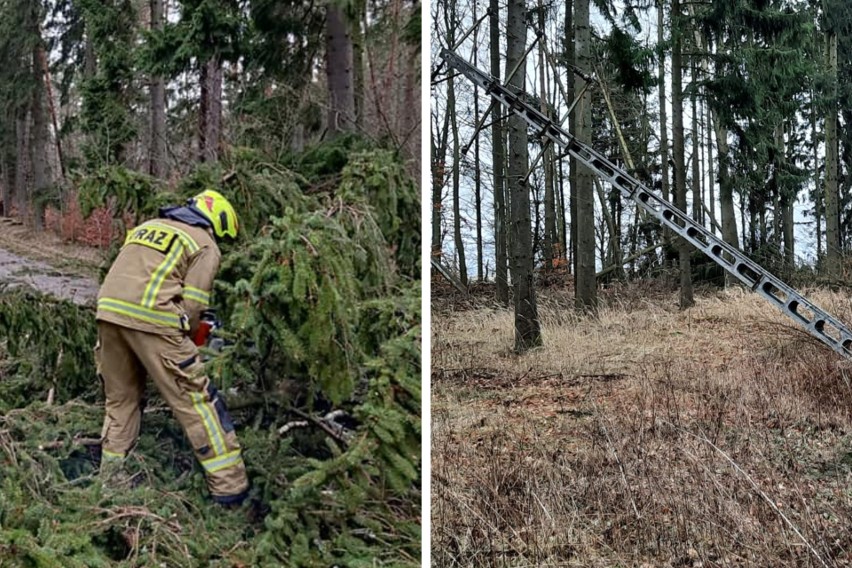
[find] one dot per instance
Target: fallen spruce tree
(321, 303)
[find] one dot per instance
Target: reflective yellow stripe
(187, 241)
(214, 434)
(139, 312)
(108, 455)
(196, 295)
(221, 462)
(156, 282)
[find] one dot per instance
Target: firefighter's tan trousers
(124, 358)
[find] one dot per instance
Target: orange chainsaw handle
(202, 333)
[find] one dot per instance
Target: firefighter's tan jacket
(161, 279)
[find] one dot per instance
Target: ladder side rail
(449, 276)
(818, 322)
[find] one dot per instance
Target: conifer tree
(527, 325)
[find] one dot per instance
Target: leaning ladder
(816, 321)
(436, 264)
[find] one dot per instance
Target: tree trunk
(613, 248)
(90, 60)
(527, 326)
(558, 181)
(697, 198)
(477, 195)
(571, 57)
(157, 131)
(477, 170)
(90, 69)
(711, 177)
(22, 162)
(550, 235)
(411, 119)
(832, 216)
(437, 183)
(7, 168)
(214, 123)
(389, 72)
(585, 291)
(439, 151)
(457, 236)
(51, 107)
(210, 110)
(778, 217)
(8, 182)
(664, 126)
(41, 177)
(341, 96)
(563, 222)
(358, 66)
(785, 202)
(536, 228)
(684, 248)
(726, 190)
(817, 193)
(789, 234)
(498, 159)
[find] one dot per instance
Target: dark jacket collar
(185, 214)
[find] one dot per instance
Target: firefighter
(149, 307)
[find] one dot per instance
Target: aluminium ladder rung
(816, 321)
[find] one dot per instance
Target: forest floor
(648, 436)
(43, 261)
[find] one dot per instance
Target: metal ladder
(816, 321)
(436, 264)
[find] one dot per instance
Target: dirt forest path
(42, 261)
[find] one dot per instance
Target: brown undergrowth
(648, 436)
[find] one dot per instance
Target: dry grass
(718, 436)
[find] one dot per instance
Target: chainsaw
(205, 335)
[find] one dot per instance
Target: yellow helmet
(218, 210)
